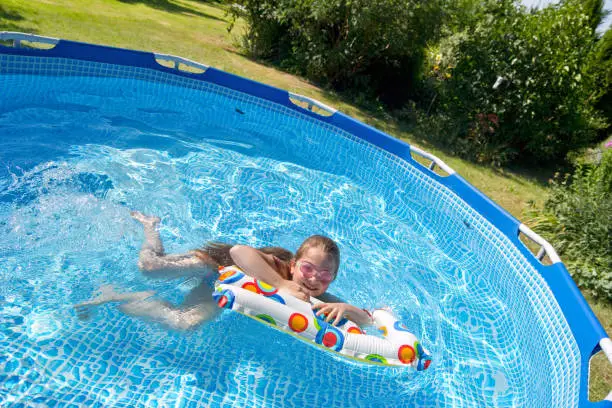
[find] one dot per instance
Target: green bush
(516, 82)
(600, 72)
(577, 220)
(266, 31)
(363, 46)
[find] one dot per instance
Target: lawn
(198, 30)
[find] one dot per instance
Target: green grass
(601, 381)
(198, 30)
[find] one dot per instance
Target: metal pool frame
(586, 329)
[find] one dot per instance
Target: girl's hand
(295, 290)
(337, 311)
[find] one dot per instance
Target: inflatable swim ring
(237, 291)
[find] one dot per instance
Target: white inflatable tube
(236, 291)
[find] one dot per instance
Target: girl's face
(314, 271)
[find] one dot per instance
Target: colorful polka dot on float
(298, 322)
(251, 287)
(224, 298)
(424, 358)
(377, 358)
(266, 318)
(330, 337)
(423, 364)
(418, 349)
(277, 298)
(265, 289)
(399, 326)
(318, 322)
(354, 330)
(383, 330)
(230, 276)
(406, 354)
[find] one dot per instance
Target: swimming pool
(90, 132)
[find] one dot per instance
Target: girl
(307, 274)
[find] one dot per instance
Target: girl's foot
(146, 220)
(107, 294)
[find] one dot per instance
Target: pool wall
(585, 328)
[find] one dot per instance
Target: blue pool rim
(585, 327)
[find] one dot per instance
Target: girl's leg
(107, 294)
(156, 264)
(170, 316)
(152, 242)
(197, 309)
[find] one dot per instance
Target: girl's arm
(262, 266)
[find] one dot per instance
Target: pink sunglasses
(308, 270)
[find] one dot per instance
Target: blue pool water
(79, 152)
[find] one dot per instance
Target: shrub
(372, 46)
(516, 80)
(577, 220)
(265, 35)
(600, 72)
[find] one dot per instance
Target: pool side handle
(606, 347)
(435, 161)
(180, 60)
(545, 247)
(312, 103)
(18, 37)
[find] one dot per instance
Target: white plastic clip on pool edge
(545, 247)
(434, 160)
(236, 291)
(312, 103)
(177, 61)
(17, 38)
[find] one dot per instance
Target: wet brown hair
(219, 252)
(326, 244)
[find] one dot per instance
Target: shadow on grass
(12, 21)
(173, 7)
